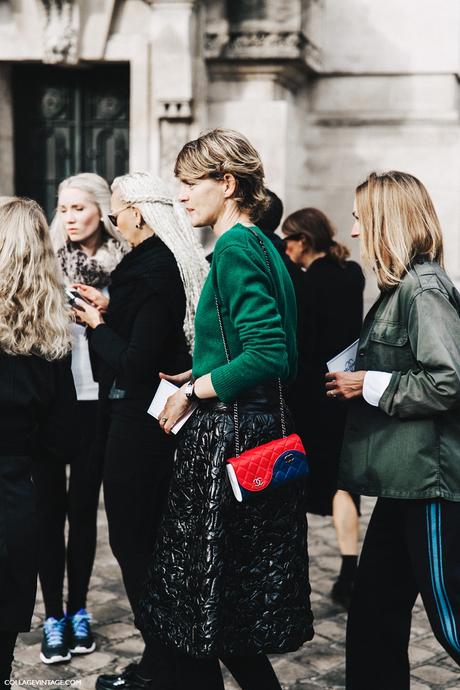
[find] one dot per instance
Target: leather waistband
(264, 397)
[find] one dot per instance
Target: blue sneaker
(54, 645)
(81, 637)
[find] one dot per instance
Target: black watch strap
(190, 391)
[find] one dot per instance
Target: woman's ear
(138, 217)
(305, 244)
(229, 183)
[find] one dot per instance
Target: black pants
(250, 672)
(137, 471)
(77, 503)
(411, 547)
(7, 643)
(182, 671)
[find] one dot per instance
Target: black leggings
(78, 503)
(7, 643)
(250, 672)
(174, 670)
(137, 470)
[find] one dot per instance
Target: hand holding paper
(345, 360)
(164, 392)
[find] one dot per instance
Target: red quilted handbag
(271, 464)
(267, 466)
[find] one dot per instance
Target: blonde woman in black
(37, 403)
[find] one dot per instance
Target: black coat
(37, 405)
(143, 331)
(330, 309)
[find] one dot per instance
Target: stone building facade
(327, 90)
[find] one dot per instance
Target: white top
(375, 385)
(86, 387)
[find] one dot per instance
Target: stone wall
(327, 90)
(373, 86)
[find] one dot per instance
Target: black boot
(343, 586)
(128, 679)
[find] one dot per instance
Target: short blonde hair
(98, 191)
(34, 317)
(221, 152)
(398, 222)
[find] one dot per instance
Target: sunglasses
(296, 237)
(114, 216)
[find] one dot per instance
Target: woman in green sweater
(229, 580)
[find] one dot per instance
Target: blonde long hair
(34, 317)
(167, 217)
(398, 222)
(98, 192)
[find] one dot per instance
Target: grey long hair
(167, 217)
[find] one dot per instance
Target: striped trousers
(411, 547)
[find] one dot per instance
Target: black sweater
(37, 406)
(143, 330)
(330, 305)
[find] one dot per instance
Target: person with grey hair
(147, 328)
(88, 250)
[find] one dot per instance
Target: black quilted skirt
(226, 577)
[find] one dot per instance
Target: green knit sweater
(259, 314)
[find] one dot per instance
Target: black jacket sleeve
(57, 426)
(139, 356)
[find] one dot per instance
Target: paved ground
(319, 665)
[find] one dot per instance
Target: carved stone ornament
(261, 45)
(258, 44)
(61, 32)
(175, 110)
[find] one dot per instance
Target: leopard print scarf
(78, 267)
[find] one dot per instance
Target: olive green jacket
(409, 446)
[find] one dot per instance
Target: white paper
(345, 360)
(164, 390)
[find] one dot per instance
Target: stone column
(6, 133)
(177, 78)
(259, 56)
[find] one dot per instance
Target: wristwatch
(189, 391)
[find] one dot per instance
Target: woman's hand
(87, 314)
(345, 385)
(176, 406)
(177, 379)
(96, 297)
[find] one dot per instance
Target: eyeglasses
(114, 216)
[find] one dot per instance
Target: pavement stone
(319, 665)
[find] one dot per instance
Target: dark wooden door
(68, 121)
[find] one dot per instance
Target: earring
(138, 226)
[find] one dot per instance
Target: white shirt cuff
(375, 385)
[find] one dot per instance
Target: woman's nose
(183, 193)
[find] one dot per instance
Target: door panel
(68, 121)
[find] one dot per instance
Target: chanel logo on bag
(289, 457)
(258, 481)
